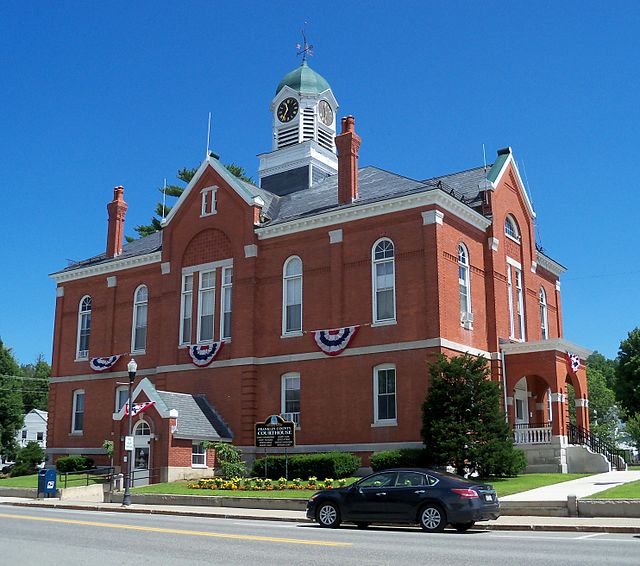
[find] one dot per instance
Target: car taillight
(466, 493)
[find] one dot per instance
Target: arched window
(139, 326)
(142, 428)
(511, 228)
(292, 296)
(84, 328)
(383, 275)
(464, 284)
(544, 315)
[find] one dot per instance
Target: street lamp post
(132, 367)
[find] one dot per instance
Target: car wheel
(362, 524)
(328, 515)
(432, 518)
(463, 527)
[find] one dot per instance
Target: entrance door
(141, 453)
(521, 403)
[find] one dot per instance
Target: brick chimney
(348, 145)
(116, 209)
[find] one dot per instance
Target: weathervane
(305, 48)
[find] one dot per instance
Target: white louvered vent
(308, 124)
(288, 136)
(325, 139)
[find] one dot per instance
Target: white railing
(532, 435)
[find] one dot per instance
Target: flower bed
(262, 484)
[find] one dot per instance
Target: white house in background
(34, 428)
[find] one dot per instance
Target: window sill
(379, 424)
(82, 359)
(384, 323)
(208, 214)
(292, 334)
(516, 240)
(466, 325)
(77, 433)
(199, 466)
(138, 352)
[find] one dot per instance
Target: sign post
(275, 432)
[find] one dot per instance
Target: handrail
(584, 437)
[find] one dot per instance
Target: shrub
(229, 460)
(74, 464)
(28, 459)
(328, 465)
(405, 458)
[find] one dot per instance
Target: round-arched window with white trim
(139, 324)
(511, 228)
(383, 279)
(292, 296)
(84, 328)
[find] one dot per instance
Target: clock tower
(303, 150)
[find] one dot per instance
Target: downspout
(504, 386)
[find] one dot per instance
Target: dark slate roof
(142, 246)
(197, 419)
(465, 184)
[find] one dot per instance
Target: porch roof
(555, 344)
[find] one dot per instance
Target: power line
(24, 377)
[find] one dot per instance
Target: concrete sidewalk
(505, 523)
(581, 487)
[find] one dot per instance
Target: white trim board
(107, 267)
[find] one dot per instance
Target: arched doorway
(141, 453)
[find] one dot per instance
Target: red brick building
(444, 264)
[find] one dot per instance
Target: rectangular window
(122, 396)
(24, 435)
(291, 398)
(85, 332)
(186, 307)
(293, 314)
(40, 436)
(384, 291)
(225, 307)
(77, 420)
(520, 303)
(510, 297)
(206, 305)
(198, 455)
(385, 394)
(208, 205)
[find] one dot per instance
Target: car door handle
(381, 493)
(419, 491)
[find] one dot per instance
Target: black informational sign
(275, 432)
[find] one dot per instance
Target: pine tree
(463, 424)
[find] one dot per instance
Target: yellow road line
(175, 531)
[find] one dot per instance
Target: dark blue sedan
(409, 495)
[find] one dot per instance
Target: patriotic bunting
(333, 342)
(103, 364)
(573, 361)
(203, 355)
(138, 408)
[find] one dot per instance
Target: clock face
(325, 112)
(287, 110)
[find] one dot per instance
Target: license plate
(488, 497)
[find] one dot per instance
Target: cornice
(431, 197)
(550, 265)
(556, 344)
(108, 267)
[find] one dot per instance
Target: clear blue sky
(94, 95)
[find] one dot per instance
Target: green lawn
(629, 490)
(525, 482)
(504, 486)
(32, 481)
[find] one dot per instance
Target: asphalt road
(57, 536)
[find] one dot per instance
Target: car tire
(362, 524)
(328, 515)
(462, 527)
(432, 518)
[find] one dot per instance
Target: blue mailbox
(47, 482)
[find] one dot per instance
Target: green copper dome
(304, 79)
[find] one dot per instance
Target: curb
(97, 508)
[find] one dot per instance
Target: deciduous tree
(628, 373)
(11, 411)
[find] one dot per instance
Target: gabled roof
(195, 417)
